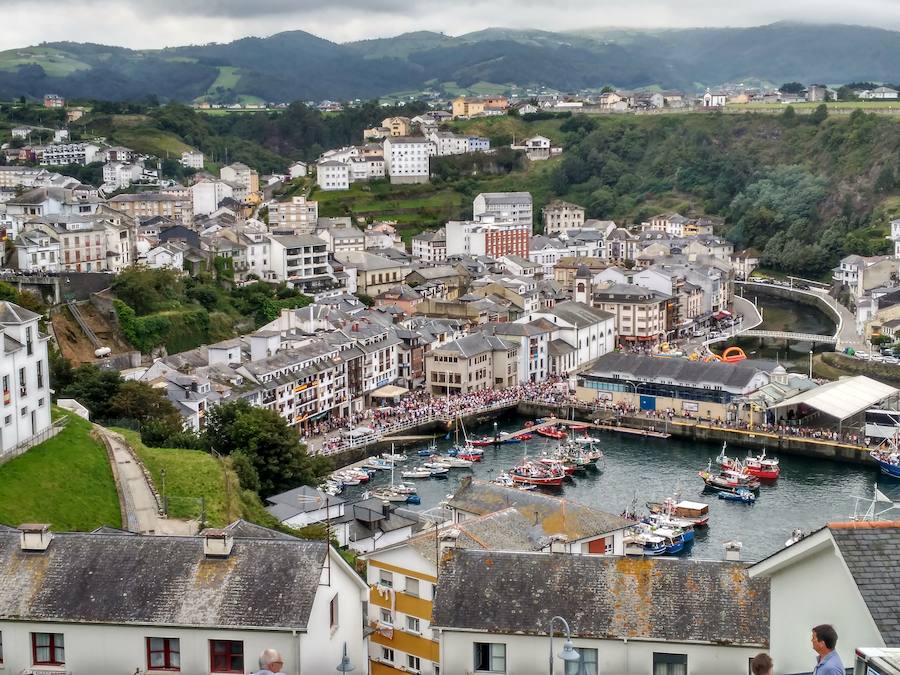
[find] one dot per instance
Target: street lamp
(568, 653)
(345, 666)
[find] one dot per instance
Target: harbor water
(635, 470)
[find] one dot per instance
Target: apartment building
(154, 204)
(217, 621)
(397, 126)
(640, 314)
(342, 239)
(25, 374)
(430, 246)
(560, 216)
(300, 214)
(120, 175)
(242, 175)
(89, 243)
(192, 159)
(513, 207)
(581, 334)
(374, 273)
(15, 176)
(333, 175)
(369, 167)
(208, 194)
(37, 251)
(472, 363)
(71, 153)
(302, 261)
(487, 236)
(407, 159)
(54, 101)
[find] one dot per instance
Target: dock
(555, 421)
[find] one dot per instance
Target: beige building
(150, 204)
(397, 126)
(89, 243)
(374, 273)
(299, 213)
(472, 363)
(242, 175)
(560, 216)
(567, 267)
(640, 313)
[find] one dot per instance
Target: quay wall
(792, 294)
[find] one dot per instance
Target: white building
(207, 195)
(560, 216)
(298, 169)
(89, 243)
(37, 251)
(584, 334)
(406, 159)
(119, 175)
(714, 99)
(430, 246)
(213, 617)
(300, 214)
(536, 148)
(301, 260)
(448, 143)
(240, 174)
(333, 175)
(25, 374)
(494, 610)
(192, 159)
(167, 255)
(70, 153)
(504, 206)
(895, 236)
(370, 167)
(856, 562)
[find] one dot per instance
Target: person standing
(824, 640)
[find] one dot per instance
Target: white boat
(405, 488)
(389, 495)
(456, 462)
(392, 458)
(441, 464)
(378, 463)
(418, 472)
(439, 471)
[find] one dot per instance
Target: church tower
(584, 286)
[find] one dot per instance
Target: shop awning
(389, 391)
(721, 314)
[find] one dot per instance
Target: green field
(833, 106)
(227, 79)
(66, 482)
(192, 474)
(54, 62)
(511, 127)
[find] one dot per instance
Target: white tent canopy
(842, 399)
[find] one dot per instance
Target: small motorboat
(378, 464)
(579, 427)
(390, 495)
(413, 499)
(405, 489)
(457, 462)
(393, 458)
(796, 536)
(439, 472)
(484, 442)
(525, 437)
(418, 472)
(550, 432)
(738, 495)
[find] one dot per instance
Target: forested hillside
(805, 190)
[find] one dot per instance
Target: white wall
(817, 590)
(529, 655)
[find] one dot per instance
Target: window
(586, 663)
(386, 579)
(490, 657)
(386, 617)
(163, 654)
(387, 654)
(412, 624)
(669, 664)
(23, 390)
(40, 374)
(1, 646)
(226, 656)
(412, 586)
(413, 662)
(48, 649)
(28, 343)
(333, 611)
(7, 420)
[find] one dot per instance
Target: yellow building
(397, 126)
(467, 107)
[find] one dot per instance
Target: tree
(791, 88)
(272, 448)
(819, 115)
(61, 372)
(93, 388)
(148, 290)
(142, 403)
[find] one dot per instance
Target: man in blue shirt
(824, 640)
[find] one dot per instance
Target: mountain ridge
(298, 65)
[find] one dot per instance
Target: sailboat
(465, 450)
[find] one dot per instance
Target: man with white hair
(270, 662)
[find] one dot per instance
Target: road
(141, 507)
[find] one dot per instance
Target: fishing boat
(533, 473)
(643, 543)
(484, 442)
(738, 495)
(665, 521)
(696, 513)
(525, 437)
(558, 464)
(418, 472)
(579, 427)
(728, 479)
(551, 432)
(759, 466)
(471, 454)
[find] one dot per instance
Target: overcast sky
(159, 23)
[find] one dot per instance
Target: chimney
(217, 543)
(386, 510)
(448, 540)
(34, 537)
(733, 551)
(558, 543)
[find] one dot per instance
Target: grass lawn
(151, 141)
(66, 481)
(227, 79)
(55, 63)
(513, 127)
(192, 474)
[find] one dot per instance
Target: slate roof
(13, 314)
(304, 499)
(680, 371)
(578, 314)
(871, 551)
(147, 579)
(554, 514)
(608, 597)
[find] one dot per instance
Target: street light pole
(568, 653)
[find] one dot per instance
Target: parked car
(893, 360)
(865, 356)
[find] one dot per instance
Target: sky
(160, 23)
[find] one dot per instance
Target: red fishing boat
(579, 427)
(552, 432)
(483, 442)
(525, 437)
(759, 466)
(531, 473)
(556, 463)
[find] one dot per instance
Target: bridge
(784, 335)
